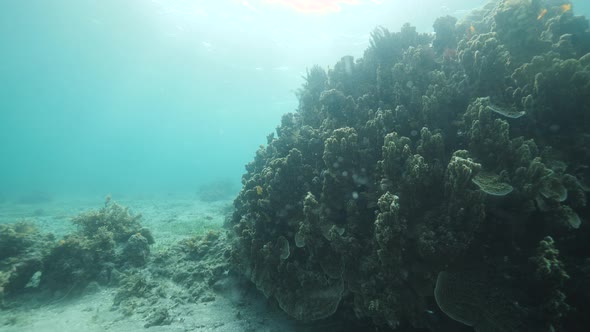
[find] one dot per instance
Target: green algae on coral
(490, 184)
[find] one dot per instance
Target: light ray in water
(316, 6)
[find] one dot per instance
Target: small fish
(566, 7)
(542, 13)
(259, 190)
(470, 32)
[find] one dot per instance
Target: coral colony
(438, 182)
(438, 175)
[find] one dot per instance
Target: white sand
(170, 219)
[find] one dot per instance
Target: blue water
(101, 96)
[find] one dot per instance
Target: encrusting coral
(431, 160)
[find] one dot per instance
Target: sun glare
(315, 6)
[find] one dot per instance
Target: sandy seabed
(171, 218)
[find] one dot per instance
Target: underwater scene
(295, 165)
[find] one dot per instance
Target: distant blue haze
(133, 96)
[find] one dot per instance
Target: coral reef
(108, 239)
(111, 250)
(192, 270)
(22, 252)
(430, 182)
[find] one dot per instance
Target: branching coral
(113, 218)
(92, 253)
(550, 277)
(408, 162)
